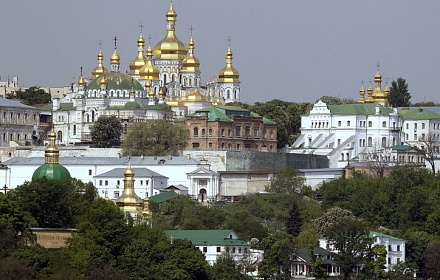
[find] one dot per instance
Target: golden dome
(370, 98)
(99, 70)
(102, 82)
(115, 57)
(129, 201)
(170, 47)
(191, 63)
(151, 94)
(228, 74)
(149, 71)
(196, 96)
(81, 81)
(139, 62)
(174, 102)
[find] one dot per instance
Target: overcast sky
(286, 49)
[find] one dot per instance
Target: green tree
(432, 260)
(31, 96)
(375, 263)
(225, 268)
(399, 95)
(155, 137)
(278, 250)
(330, 100)
(294, 220)
(350, 239)
(332, 216)
(287, 181)
(54, 204)
(106, 132)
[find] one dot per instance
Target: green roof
(116, 80)
(225, 114)
(165, 196)
(207, 237)
(52, 171)
(132, 105)
(402, 148)
(419, 114)
(358, 109)
(378, 234)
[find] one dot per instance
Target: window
(90, 171)
(257, 132)
(218, 250)
(238, 131)
(384, 142)
(100, 182)
(423, 125)
(233, 250)
(370, 124)
(407, 126)
(210, 132)
(398, 247)
(74, 129)
(196, 132)
(415, 126)
(203, 132)
(223, 132)
(370, 142)
(348, 123)
(247, 131)
(384, 124)
(141, 182)
(116, 194)
(205, 249)
(105, 183)
(210, 145)
(390, 248)
(229, 133)
(339, 123)
(415, 136)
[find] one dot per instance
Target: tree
(287, 181)
(294, 220)
(432, 260)
(332, 216)
(350, 239)
(378, 159)
(330, 100)
(225, 268)
(54, 204)
(106, 132)
(154, 137)
(399, 95)
(278, 250)
(31, 96)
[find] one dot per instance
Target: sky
(293, 50)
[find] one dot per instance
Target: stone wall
(52, 237)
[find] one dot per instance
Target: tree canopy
(106, 132)
(154, 137)
(31, 96)
(399, 95)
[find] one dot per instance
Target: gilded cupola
(139, 62)
(196, 96)
(191, 64)
(228, 74)
(129, 201)
(99, 70)
(149, 71)
(170, 47)
(81, 82)
(362, 94)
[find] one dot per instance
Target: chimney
(188, 156)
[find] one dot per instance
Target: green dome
(52, 171)
(116, 80)
(132, 105)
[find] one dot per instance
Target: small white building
(395, 247)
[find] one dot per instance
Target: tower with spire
(137, 63)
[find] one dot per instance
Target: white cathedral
(163, 83)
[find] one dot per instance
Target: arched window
(93, 116)
(342, 156)
(384, 142)
(384, 124)
(196, 132)
(370, 142)
(60, 136)
(210, 132)
(203, 132)
(370, 123)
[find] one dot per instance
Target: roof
(358, 109)
(139, 172)
(52, 172)
(15, 104)
(419, 114)
(202, 170)
(164, 196)
(402, 148)
(134, 161)
(207, 237)
(378, 234)
(304, 253)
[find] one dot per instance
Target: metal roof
(15, 104)
(134, 161)
(138, 173)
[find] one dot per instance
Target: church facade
(164, 82)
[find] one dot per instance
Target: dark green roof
(418, 115)
(165, 196)
(52, 171)
(225, 114)
(378, 234)
(116, 80)
(207, 237)
(402, 148)
(132, 105)
(358, 109)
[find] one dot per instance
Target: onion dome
(149, 71)
(191, 63)
(81, 82)
(115, 58)
(99, 70)
(362, 94)
(51, 170)
(115, 81)
(129, 201)
(175, 102)
(228, 74)
(139, 62)
(196, 96)
(370, 98)
(170, 47)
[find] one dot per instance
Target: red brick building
(229, 128)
